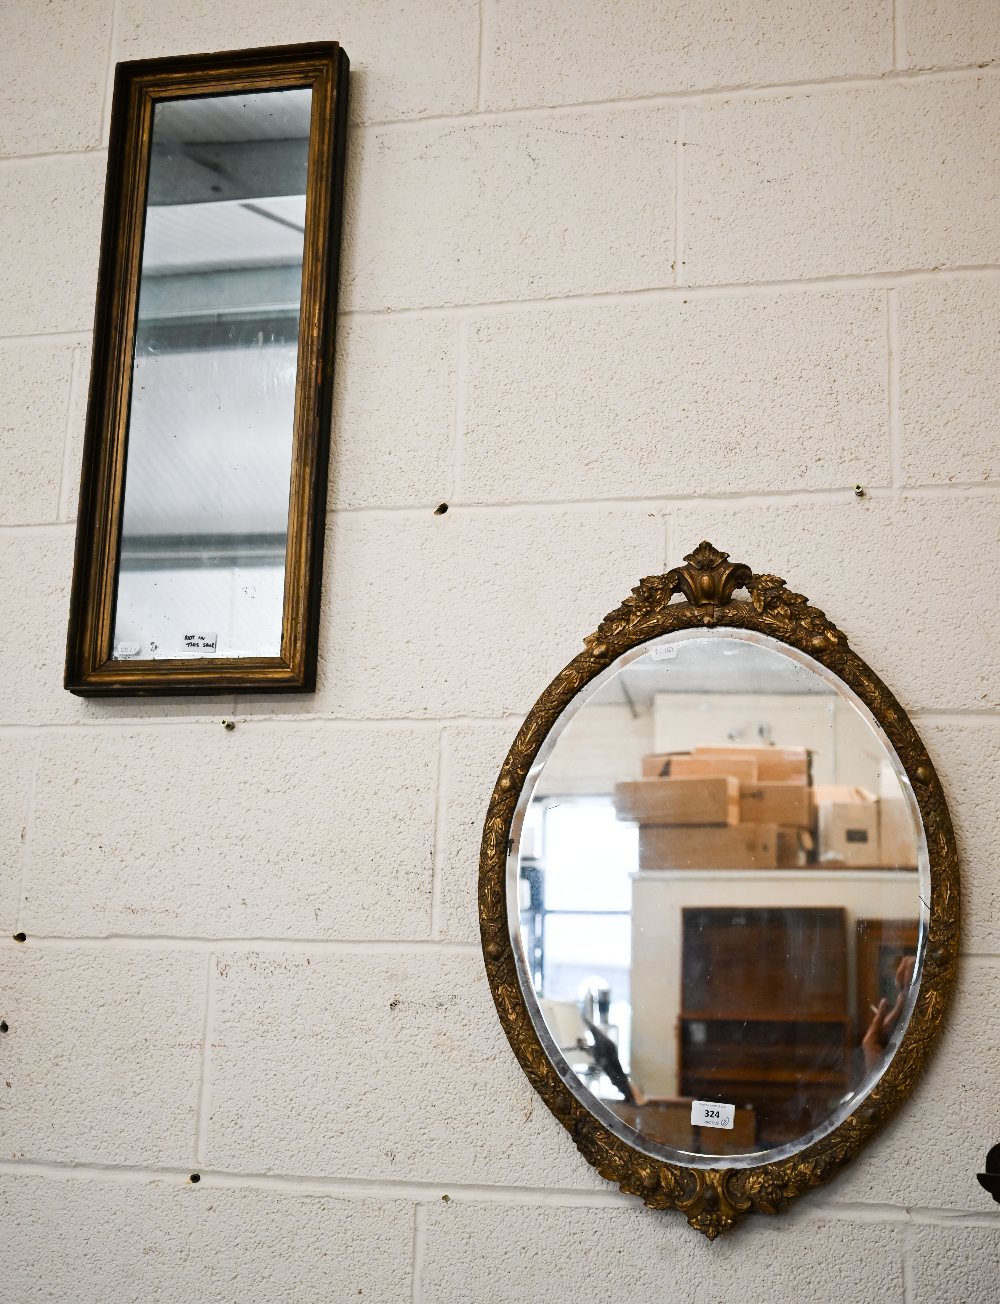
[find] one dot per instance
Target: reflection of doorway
(881, 944)
(576, 903)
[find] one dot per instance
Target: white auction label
(709, 1113)
(663, 651)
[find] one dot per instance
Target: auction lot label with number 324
(708, 1113)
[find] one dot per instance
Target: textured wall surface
(617, 276)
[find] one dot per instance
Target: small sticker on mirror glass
(709, 1113)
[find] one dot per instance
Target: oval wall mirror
(719, 895)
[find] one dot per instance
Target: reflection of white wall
(604, 745)
(657, 901)
(242, 605)
(601, 746)
(686, 720)
(210, 441)
(844, 748)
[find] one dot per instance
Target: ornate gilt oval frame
(714, 1199)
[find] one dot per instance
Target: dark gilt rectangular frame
(139, 86)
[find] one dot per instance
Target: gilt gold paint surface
(714, 1199)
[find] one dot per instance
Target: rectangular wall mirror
(203, 492)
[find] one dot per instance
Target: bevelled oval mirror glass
(717, 886)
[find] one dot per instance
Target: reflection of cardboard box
(776, 803)
(714, 800)
(897, 838)
(794, 846)
(685, 765)
(774, 764)
(846, 826)
(739, 846)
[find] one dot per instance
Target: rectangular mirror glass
(204, 483)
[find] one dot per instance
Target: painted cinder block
(103, 1054)
(911, 582)
(966, 755)
(511, 208)
(472, 612)
(378, 1066)
(406, 60)
(35, 571)
(17, 765)
(509, 1253)
(943, 32)
(845, 181)
(174, 1242)
(53, 71)
(50, 213)
(956, 1263)
(36, 566)
(470, 764)
(543, 54)
(393, 432)
(34, 407)
(673, 396)
(286, 830)
(949, 335)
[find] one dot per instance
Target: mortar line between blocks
(892, 389)
(118, 724)
(480, 55)
(420, 1191)
(29, 824)
(487, 507)
(906, 1249)
(124, 724)
(899, 35)
(694, 98)
(745, 497)
(311, 946)
(201, 1124)
(438, 852)
(679, 199)
(109, 85)
(419, 1250)
(881, 279)
(698, 96)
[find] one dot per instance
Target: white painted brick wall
(616, 277)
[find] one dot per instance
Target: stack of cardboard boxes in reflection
(756, 808)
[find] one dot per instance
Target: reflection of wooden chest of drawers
(764, 1020)
(668, 1122)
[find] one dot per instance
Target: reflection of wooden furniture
(764, 1019)
(668, 1122)
(659, 897)
(880, 945)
